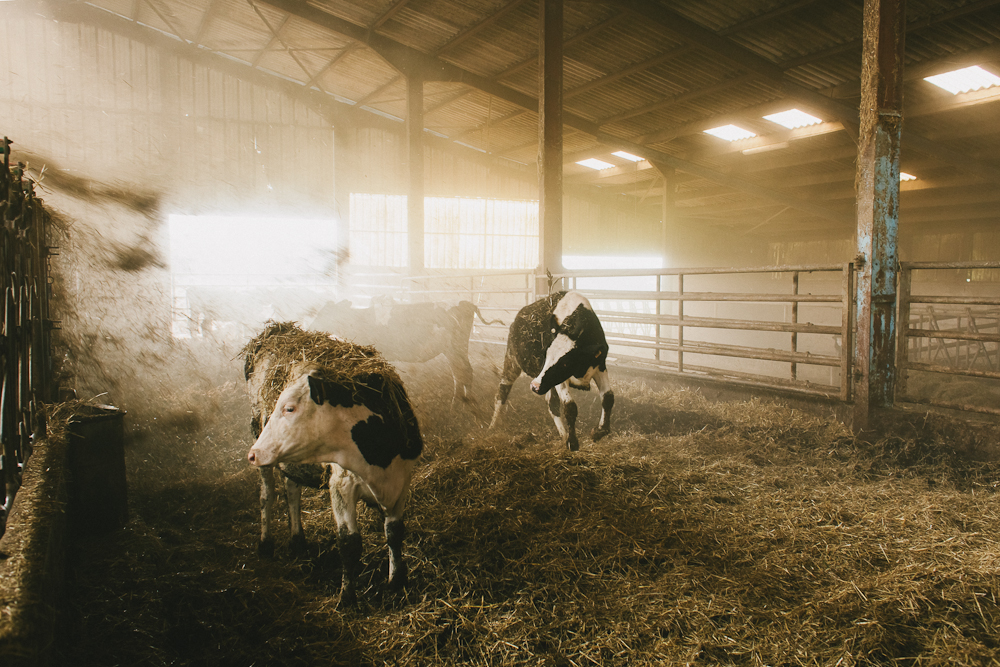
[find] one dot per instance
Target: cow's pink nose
(252, 456)
(535, 384)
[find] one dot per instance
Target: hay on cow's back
(283, 350)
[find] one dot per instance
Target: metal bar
(847, 332)
(711, 296)
(902, 347)
(795, 320)
(956, 300)
(716, 323)
(951, 370)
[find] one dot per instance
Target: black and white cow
(559, 342)
(362, 437)
(411, 332)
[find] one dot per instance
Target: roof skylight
(628, 156)
(793, 118)
(730, 133)
(964, 80)
(594, 163)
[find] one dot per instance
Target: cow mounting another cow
(343, 407)
(559, 342)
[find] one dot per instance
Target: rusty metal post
(415, 160)
(878, 206)
(550, 137)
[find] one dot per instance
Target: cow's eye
(289, 409)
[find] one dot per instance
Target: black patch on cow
(390, 432)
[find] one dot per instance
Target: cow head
(305, 427)
(578, 349)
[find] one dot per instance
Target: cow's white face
(301, 431)
(566, 359)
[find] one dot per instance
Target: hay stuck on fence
(696, 533)
(283, 350)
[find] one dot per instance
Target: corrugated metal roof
(648, 72)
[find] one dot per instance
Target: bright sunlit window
(219, 261)
(628, 156)
(594, 163)
(964, 80)
(236, 250)
(730, 133)
(903, 176)
(459, 232)
(793, 118)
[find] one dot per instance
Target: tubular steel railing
(956, 338)
(25, 330)
(693, 322)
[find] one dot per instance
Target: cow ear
(317, 392)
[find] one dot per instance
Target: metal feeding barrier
(787, 327)
(25, 332)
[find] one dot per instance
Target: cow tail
(481, 319)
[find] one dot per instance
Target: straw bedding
(282, 349)
(697, 533)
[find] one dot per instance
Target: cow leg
(511, 371)
(607, 402)
(395, 533)
(563, 409)
(461, 371)
(293, 494)
(266, 545)
(344, 494)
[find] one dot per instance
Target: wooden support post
(550, 138)
(415, 160)
(878, 206)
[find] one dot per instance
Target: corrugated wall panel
(112, 109)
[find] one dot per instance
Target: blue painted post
(878, 207)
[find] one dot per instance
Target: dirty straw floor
(698, 533)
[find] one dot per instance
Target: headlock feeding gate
(25, 331)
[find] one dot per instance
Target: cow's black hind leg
(349, 546)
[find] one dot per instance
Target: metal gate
(25, 331)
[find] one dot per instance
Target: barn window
(460, 232)
(964, 80)
(234, 271)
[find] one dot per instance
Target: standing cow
(560, 343)
(411, 332)
(351, 414)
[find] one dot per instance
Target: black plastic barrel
(98, 488)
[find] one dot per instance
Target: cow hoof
(599, 433)
(573, 444)
(297, 545)
(398, 581)
(348, 600)
(265, 548)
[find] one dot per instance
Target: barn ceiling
(644, 76)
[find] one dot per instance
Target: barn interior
(210, 165)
